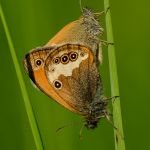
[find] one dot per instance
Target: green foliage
(32, 23)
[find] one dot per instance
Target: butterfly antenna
(67, 125)
(111, 98)
(80, 3)
(81, 131)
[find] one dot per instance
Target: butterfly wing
(72, 73)
(37, 75)
(29, 62)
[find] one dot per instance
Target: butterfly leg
(109, 120)
(98, 54)
(111, 98)
(102, 12)
(110, 114)
(98, 51)
(106, 43)
(108, 8)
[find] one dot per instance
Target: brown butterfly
(66, 68)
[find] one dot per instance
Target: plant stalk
(28, 107)
(117, 118)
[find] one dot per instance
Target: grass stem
(117, 118)
(28, 107)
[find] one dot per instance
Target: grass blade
(119, 136)
(31, 117)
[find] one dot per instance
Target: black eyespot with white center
(64, 59)
(73, 56)
(38, 62)
(56, 60)
(57, 84)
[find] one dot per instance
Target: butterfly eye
(56, 60)
(57, 84)
(64, 59)
(73, 56)
(38, 62)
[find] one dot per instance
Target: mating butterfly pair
(66, 68)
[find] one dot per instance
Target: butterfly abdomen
(97, 111)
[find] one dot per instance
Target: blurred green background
(32, 23)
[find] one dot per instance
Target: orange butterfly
(66, 68)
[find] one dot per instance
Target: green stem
(117, 118)
(31, 117)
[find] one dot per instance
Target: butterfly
(66, 68)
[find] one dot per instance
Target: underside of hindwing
(71, 71)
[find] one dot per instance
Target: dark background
(32, 23)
